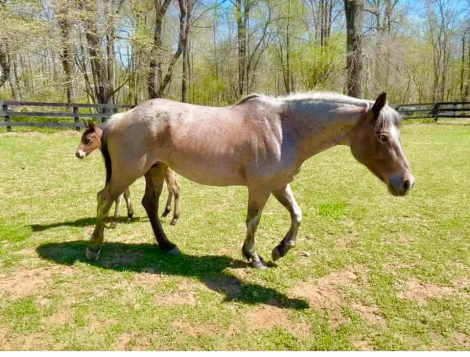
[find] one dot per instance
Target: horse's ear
(380, 102)
(85, 123)
(91, 124)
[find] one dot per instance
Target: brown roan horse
(260, 142)
(91, 140)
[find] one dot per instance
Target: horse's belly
(209, 173)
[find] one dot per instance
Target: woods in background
(213, 52)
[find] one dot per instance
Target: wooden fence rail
(104, 111)
(97, 111)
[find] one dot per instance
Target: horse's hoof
(93, 255)
(165, 213)
(258, 264)
(130, 215)
(175, 251)
(173, 222)
(276, 254)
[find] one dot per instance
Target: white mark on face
(80, 154)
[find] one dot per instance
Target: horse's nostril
(406, 185)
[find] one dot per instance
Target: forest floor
(369, 272)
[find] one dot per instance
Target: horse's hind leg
(154, 179)
(105, 197)
(256, 201)
(174, 187)
(117, 212)
(127, 197)
(286, 198)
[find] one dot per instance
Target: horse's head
(375, 142)
(91, 140)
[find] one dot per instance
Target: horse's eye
(383, 138)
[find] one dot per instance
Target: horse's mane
(248, 97)
(388, 115)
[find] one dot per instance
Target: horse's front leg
(117, 211)
(256, 201)
(286, 198)
(154, 179)
(105, 198)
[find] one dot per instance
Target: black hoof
(165, 213)
(130, 215)
(277, 254)
(173, 222)
(93, 253)
(174, 251)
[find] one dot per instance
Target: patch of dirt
(62, 317)
(130, 341)
(344, 242)
(184, 294)
(193, 330)
(123, 341)
(68, 133)
(29, 281)
(336, 319)
(362, 346)
(149, 275)
(369, 313)
(323, 293)
(462, 339)
(267, 316)
(230, 286)
(421, 292)
(26, 133)
(404, 239)
(461, 283)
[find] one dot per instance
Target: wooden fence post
(7, 118)
(435, 112)
(104, 110)
(77, 119)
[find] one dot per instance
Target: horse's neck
(322, 126)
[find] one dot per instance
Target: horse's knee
(101, 196)
(297, 217)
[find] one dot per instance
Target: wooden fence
(104, 111)
(434, 111)
(72, 110)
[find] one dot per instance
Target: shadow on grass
(145, 258)
(82, 222)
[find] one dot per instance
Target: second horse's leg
(174, 187)
(256, 201)
(286, 198)
(105, 197)
(154, 183)
(117, 211)
(168, 202)
(127, 197)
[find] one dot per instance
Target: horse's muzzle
(401, 184)
(80, 154)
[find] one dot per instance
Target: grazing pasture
(370, 271)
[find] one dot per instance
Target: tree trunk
(242, 13)
(354, 10)
(4, 64)
(155, 68)
(186, 52)
(183, 5)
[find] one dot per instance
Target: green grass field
(370, 271)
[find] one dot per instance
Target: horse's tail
(106, 156)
